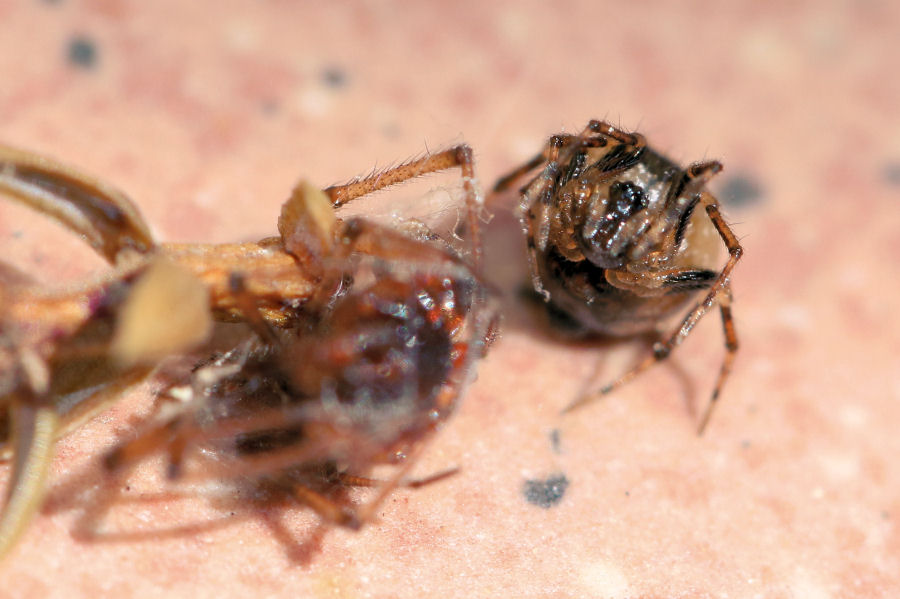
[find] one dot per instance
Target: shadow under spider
(97, 500)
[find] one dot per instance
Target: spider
(385, 345)
(66, 355)
(615, 241)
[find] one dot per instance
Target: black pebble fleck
(269, 107)
(391, 131)
(545, 493)
(891, 173)
(334, 77)
(555, 440)
(82, 52)
(740, 190)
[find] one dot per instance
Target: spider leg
(101, 214)
(534, 209)
(34, 429)
(335, 513)
(327, 509)
(165, 434)
(731, 347)
(720, 290)
(79, 378)
(507, 180)
(355, 517)
(399, 252)
(367, 511)
(352, 480)
(458, 156)
(611, 131)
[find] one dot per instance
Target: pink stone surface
(208, 112)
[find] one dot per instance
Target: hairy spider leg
(458, 156)
(719, 290)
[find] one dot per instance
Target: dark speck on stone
(82, 52)
(545, 493)
(891, 173)
(740, 190)
(554, 440)
(269, 107)
(391, 131)
(334, 77)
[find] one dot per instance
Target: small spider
(615, 241)
(375, 365)
(67, 355)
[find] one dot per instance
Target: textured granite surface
(208, 112)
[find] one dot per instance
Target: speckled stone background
(208, 112)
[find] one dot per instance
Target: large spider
(615, 241)
(377, 365)
(393, 322)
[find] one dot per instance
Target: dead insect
(615, 241)
(376, 362)
(64, 356)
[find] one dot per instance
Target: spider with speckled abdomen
(615, 241)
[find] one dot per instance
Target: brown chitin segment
(308, 227)
(163, 293)
(68, 356)
(33, 431)
(731, 347)
(375, 363)
(113, 226)
(270, 273)
(507, 180)
(460, 156)
(615, 241)
(105, 216)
